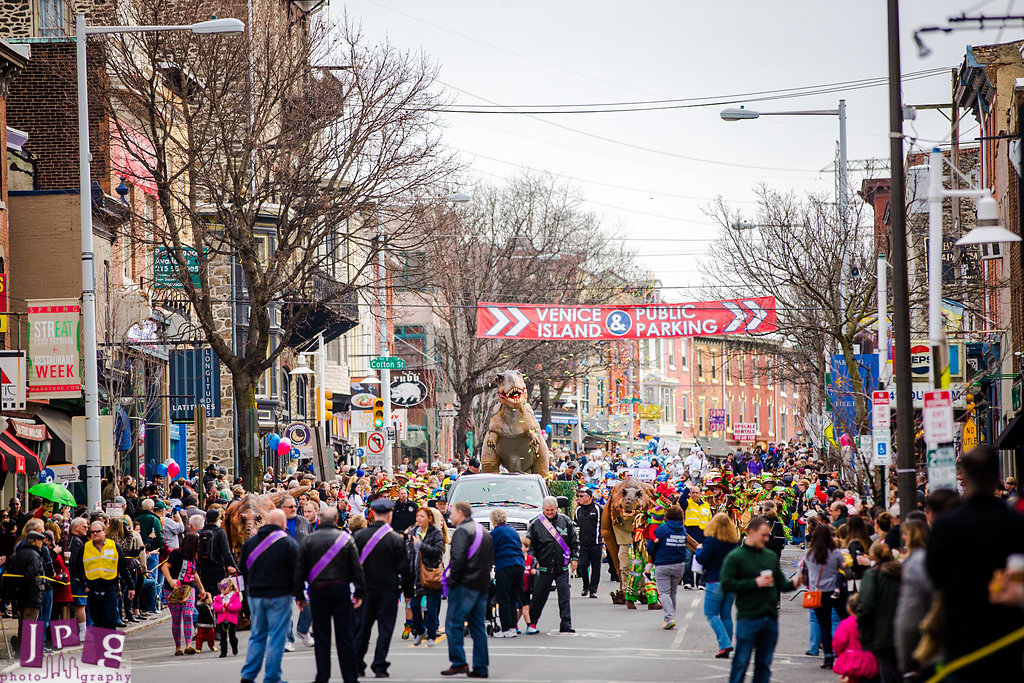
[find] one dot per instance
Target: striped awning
(17, 457)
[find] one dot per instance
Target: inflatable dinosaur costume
(514, 438)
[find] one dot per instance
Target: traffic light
(378, 413)
(970, 405)
(325, 414)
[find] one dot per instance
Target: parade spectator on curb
(469, 581)
(720, 538)
(823, 564)
(555, 546)
(752, 572)
(173, 526)
(509, 566)
(425, 547)
(876, 609)
(966, 546)
(27, 585)
(267, 563)
(668, 551)
(916, 595)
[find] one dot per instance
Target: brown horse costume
(628, 498)
(244, 517)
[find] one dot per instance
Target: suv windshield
(506, 490)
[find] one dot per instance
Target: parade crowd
(888, 596)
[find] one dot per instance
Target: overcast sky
(518, 52)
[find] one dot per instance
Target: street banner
(53, 351)
(641, 321)
(716, 419)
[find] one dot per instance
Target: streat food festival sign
(641, 321)
(54, 361)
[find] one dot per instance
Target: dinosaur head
(634, 496)
(511, 388)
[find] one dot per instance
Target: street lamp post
(742, 114)
(988, 231)
(92, 403)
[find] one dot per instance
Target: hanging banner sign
(194, 381)
(53, 351)
(642, 321)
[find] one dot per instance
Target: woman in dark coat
(879, 595)
(426, 547)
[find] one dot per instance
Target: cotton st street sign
(387, 363)
(938, 416)
(657, 321)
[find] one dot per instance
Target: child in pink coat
(227, 605)
(852, 662)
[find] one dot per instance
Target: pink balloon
(845, 440)
(285, 447)
(142, 470)
(173, 469)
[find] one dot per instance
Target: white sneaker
(307, 639)
(289, 647)
(431, 642)
(499, 634)
(511, 633)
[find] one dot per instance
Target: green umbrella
(54, 492)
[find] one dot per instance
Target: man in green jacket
(752, 572)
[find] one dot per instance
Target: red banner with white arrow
(643, 321)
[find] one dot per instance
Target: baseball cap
(382, 505)
(160, 505)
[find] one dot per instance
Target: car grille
(518, 526)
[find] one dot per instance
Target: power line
(495, 108)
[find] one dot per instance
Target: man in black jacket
(469, 582)
(588, 519)
(385, 564)
(27, 591)
(967, 545)
(556, 548)
(329, 562)
(215, 558)
(268, 564)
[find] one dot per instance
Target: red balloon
(173, 469)
(142, 470)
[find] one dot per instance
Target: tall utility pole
(385, 374)
(906, 461)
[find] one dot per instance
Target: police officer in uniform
(385, 563)
(329, 562)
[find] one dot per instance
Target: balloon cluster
(168, 468)
(282, 445)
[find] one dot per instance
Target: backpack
(206, 546)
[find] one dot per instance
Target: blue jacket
(711, 555)
(508, 547)
(671, 545)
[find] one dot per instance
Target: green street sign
(387, 363)
(165, 268)
(632, 400)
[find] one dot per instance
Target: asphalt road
(610, 644)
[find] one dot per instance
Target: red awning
(17, 457)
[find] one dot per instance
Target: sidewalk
(11, 664)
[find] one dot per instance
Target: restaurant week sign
(54, 358)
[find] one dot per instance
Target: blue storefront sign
(841, 394)
(195, 381)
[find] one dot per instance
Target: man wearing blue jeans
(268, 562)
(469, 580)
(752, 572)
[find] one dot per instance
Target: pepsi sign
(920, 361)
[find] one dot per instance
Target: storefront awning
(17, 457)
(1012, 436)
(59, 424)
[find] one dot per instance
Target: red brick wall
(43, 103)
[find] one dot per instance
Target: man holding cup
(752, 572)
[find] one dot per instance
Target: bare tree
(264, 150)
(529, 241)
(794, 249)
